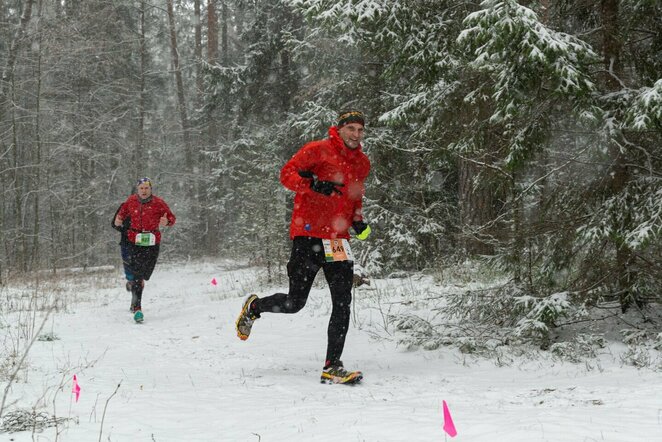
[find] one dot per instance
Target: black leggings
(139, 263)
(305, 261)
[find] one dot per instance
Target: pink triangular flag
(76, 388)
(213, 281)
(449, 426)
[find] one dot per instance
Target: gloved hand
(361, 230)
(323, 187)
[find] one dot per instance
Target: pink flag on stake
(449, 426)
(213, 281)
(76, 388)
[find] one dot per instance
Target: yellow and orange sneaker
(246, 318)
(336, 374)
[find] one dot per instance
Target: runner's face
(351, 134)
(144, 190)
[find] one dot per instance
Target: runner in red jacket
(147, 214)
(328, 177)
(327, 215)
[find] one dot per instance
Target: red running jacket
(145, 216)
(318, 215)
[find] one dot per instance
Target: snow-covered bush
(581, 347)
(634, 336)
(657, 343)
(644, 350)
(637, 356)
(417, 332)
(540, 314)
(646, 109)
(29, 420)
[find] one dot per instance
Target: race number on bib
(145, 239)
(337, 250)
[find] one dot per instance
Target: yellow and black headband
(144, 180)
(351, 117)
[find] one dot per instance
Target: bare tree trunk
(544, 18)
(6, 90)
(620, 174)
(17, 245)
(476, 208)
(240, 18)
(54, 252)
(212, 58)
(212, 228)
(140, 153)
(8, 71)
(212, 32)
(180, 87)
(201, 168)
(611, 45)
(198, 52)
(35, 255)
(287, 72)
(20, 247)
(225, 50)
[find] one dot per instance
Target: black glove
(323, 187)
(359, 226)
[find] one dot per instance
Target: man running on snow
(327, 176)
(147, 214)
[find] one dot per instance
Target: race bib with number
(337, 250)
(145, 239)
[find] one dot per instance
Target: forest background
(524, 136)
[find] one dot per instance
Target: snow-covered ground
(183, 375)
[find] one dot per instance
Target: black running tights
(305, 261)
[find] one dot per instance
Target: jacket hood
(136, 197)
(336, 139)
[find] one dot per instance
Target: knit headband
(351, 117)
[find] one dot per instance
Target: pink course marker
(213, 281)
(449, 426)
(76, 388)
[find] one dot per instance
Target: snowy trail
(185, 376)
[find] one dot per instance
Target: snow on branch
(506, 40)
(646, 109)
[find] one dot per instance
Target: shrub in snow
(637, 356)
(581, 347)
(540, 314)
(28, 420)
(417, 332)
(488, 307)
(633, 336)
(48, 337)
(657, 343)
(643, 351)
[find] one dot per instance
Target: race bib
(337, 250)
(145, 239)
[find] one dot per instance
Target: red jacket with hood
(318, 215)
(145, 216)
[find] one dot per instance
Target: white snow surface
(183, 374)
